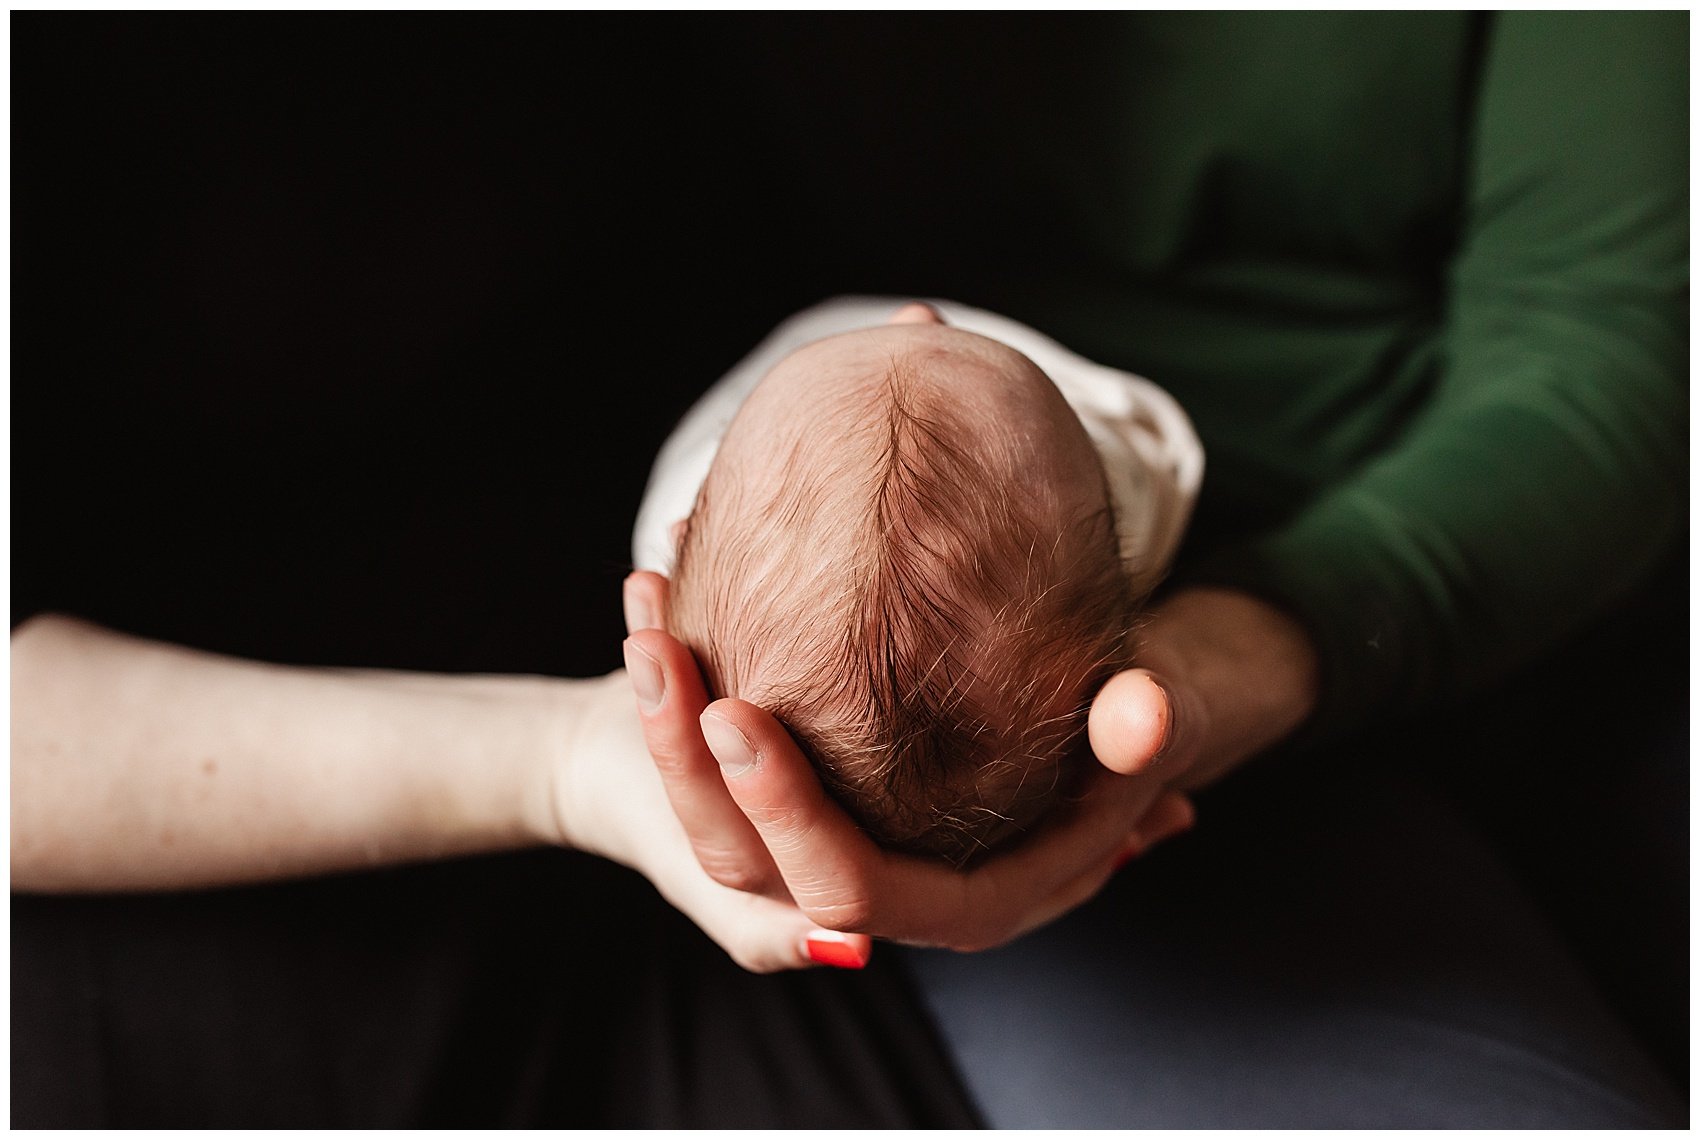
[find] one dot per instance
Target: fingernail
(833, 948)
(728, 744)
(645, 672)
(1168, 739)
(638, 614)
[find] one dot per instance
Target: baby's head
(905, 552)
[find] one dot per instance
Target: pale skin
(140, 766)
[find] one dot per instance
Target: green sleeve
(1544, 476)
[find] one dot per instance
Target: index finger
(671, 695)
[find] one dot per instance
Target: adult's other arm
(1542, 479)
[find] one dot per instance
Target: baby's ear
(915, 313)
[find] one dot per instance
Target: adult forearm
(138, 765)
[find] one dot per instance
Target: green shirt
(1426, 297)
(1420, 279)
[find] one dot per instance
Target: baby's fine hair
(929, 630)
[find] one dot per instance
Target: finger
(1139, 726)
(1170, 816)
(671, 696)
(823, 857)
(644, 598)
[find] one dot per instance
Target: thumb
(1139, 725)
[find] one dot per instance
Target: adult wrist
(496, 787)
(588, 728)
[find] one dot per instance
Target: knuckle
(728, 865)
(779, 820)
(855, 913)
(670, 759)
(735, 876)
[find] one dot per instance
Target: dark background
(351, 340)
(341, 340)
(341, 346)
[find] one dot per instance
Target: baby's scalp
(905, 552)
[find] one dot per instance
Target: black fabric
(545, 990)
(1579, 771)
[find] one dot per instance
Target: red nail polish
(838, 954)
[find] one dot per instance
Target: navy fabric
(1323, 951)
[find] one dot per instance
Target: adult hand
(1223, 676)
(609, 801)
(759, 820)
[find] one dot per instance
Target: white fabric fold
(1153, 460)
